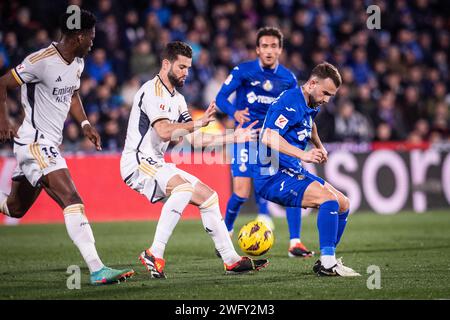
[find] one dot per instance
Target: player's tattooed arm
(168, 131)
(315, 139)
(275, 141)
(78, 114)
(7, 129)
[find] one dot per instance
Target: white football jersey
(47, 85)
(152, 102)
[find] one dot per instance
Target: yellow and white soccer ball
(255, 238)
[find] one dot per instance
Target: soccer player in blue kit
(286, 131)
(257, 84)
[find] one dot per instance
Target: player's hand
(241, 116)
(93, 135)
(313, 156)
(209, 114)
(246, 134)
(7, 131)
(325, 155)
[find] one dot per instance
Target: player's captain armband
(15, 72)
(281, 121)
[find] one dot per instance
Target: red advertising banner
(107, 197)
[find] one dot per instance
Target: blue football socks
(233, 207)
(342, 222)
(294, 220)
(327, 223)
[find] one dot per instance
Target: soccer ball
(255, 238)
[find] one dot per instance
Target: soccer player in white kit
(49, 80)
(159, 114)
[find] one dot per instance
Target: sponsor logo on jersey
(58, 79)
(65, 94)
(281, 121)
(255, 83)
(267, 85)
(252, 98)
(303, 134)
(290, 109)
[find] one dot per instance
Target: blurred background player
(159, 115)
(49, 81)
(257, 84)
(288, 127)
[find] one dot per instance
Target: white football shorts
(36, 160)
(150, 179)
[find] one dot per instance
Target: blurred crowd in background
(395, 79)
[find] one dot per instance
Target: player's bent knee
(210, 201)
(16, 210)
(327, 196)
(241, 191)
(174, 182)
(71, 198)
(344, 204)
(183, 187)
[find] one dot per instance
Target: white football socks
(170, 215)
(294, 241)
(81, 234)
(328, 261)
(3, 206)
(215, 226)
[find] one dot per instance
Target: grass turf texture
(412, 251)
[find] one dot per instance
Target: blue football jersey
(293, 119)
(256, 88)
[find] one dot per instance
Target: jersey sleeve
(79, 72)
(280, 116)
(293, 83)
(230, 85)
(154, 107)
(30, 70)
(185, 116)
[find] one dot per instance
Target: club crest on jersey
(267, 85)
(281, 121)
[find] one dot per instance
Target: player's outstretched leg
(317, 195)
(60, 187)
(180, 194)
(296, 248)
(208, 202)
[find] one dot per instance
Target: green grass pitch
(412, 251)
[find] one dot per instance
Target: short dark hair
(175, 48)
(269, 31)
(87, 22)
(326, 70)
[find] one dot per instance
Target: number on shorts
(244, 155)
(51, 152)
